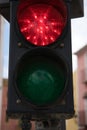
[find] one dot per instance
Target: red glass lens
(41, 24)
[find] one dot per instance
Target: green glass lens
(41, 80)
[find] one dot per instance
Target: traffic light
(40, 60)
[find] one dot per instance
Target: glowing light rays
(41, 25)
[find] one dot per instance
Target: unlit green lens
(41, 80)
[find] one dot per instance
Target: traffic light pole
(43, 125)
(25, 124)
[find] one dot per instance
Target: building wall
(79, 122)
(82, 88)
(11, 124)
(72, 124)
(1, 60)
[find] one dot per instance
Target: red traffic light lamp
(41, 23)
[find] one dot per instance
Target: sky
(6, 49)
(79, 34)
(79, 30)
(79, 39)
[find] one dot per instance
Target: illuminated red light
(41, 24)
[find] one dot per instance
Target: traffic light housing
(40, 60)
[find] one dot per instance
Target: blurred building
(11, 124)
(1, 60)
(79, 122)
(72, 124)
(82, 87)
